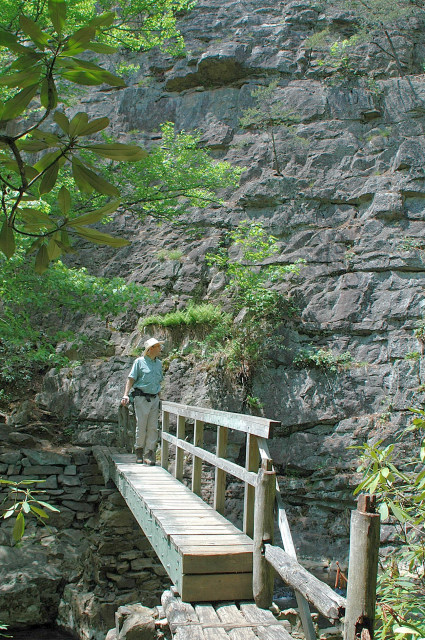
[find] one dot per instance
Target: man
(145, 377)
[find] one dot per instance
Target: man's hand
(125, 400)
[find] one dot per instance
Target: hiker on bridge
(144, 382)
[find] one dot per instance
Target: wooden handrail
(257, 430)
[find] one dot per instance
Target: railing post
(164, 443)
(263, 572)
(362, 570)
(251, 464)
(220, 475)
(181, 432)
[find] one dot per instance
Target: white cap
(151, 343)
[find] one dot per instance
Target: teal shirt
(147, 374)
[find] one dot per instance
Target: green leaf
(21, 78)
(25, 506)
(54, 248)
(49, 178)
(41, 260)
(48, 506)
(61, 119)
(28, 59)
(35, 245)
(31, 29)
(117, 151)
(401, 515)
(106, 76)
(9, 513)
(11, 42)
(57, 13)
(19, 528)
(89, 180)
(48, 93)
(383, 511)
(31, 146)
(97, 214)
(92, 78)
(39, 512)
(78, 41)
(16, 105)
(79, 121)
(104, 20)
(7, 240)
(64, 200)
(36, 216)
(100, 47)
(47, 160)
(100, 238)
(94, 126)
(51, 139)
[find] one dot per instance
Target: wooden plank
(251, 464)
(181, 430)
(180, 616)
(220, 474)
(207, 588)
(249, 424)
(206, 560)
(229, 467)
(271, 629)
(164, 443)
(198, 441)
(213, 540)
(207, 616)
(231, 614)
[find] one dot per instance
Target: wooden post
(263, 572)
(198, 441)
(220, 475)
(181, 431)
(362, 570)
(251, 464)
(164, 443)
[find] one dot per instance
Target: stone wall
(89, 559)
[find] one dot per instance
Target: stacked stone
(91, 556)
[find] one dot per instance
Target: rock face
(349, 199)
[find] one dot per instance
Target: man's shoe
(139, 456)
(149, 458)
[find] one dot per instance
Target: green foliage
(176, 175)
(267, 114)
(169, 254)
(33, 158)
(400, 491)
(373, 22)
(139, 25)
(252, 274)
(22, 501)
(324, 359)
(193, 315)
(26, 342)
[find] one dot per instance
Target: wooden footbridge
(207, 558)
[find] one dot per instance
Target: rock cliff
(347, 196)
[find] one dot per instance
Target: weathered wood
(362, 569)
(198, 441)
(220, 474)
(164, 443)
(263, 576)
(181, 616)
(230, 614)
(227, 466)
(215, 586)
(319, 594)
(181, 430)
(271, 629)
(289, 547)
(210, 622)
(248, 424)
(251, 464)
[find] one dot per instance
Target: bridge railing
(256, 429)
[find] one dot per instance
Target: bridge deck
(207, 558)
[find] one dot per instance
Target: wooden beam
(198, 441)
(220, 474)
(251, 464)
(262, 572)
(181, 431)
(319, 594)
(248, 424)
(164, 443)
(362, 570)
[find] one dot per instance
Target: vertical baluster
(181, 431)
(251, 464)
(164, 443)
(220, 475)
(198, 441)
